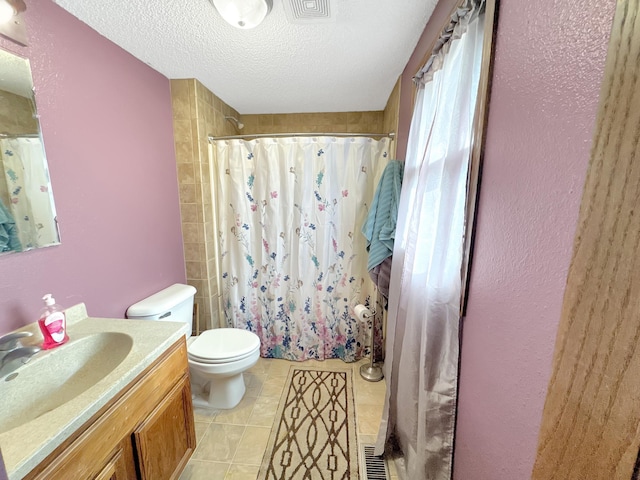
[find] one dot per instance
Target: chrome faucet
(13, 353)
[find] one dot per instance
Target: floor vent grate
(374, 467)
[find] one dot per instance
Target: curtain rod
(390, 135)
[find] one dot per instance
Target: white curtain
(293, 260)
(31, 200)
(424, 304)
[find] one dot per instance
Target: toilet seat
(223, 345)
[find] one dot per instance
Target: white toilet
(217, 357)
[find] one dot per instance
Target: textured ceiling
(347, 63)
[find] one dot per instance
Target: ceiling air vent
(308, 11)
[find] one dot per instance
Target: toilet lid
(222, 344)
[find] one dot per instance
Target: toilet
(217, 357)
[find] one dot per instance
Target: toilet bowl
(217, 357)
(217, 360)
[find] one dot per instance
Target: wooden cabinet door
(121, 466)
(166, 439)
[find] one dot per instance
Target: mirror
(27, 210)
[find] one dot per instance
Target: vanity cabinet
(146, 432)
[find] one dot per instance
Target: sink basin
(55, 377)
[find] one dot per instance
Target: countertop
(25, 446)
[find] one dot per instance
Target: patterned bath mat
(314, 434)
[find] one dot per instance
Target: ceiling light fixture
(243, 14)
(10, 8)
(12, 25)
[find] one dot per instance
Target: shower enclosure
(291, 256)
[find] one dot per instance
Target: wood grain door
(167, 438)
(591, 422)
(121, 466)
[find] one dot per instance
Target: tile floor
(231, 443)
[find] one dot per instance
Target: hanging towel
(380, 226)
(8, 233)
(381, 276)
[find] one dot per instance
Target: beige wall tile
(186, 173)
(189, 213)
(192, 232)
(184, 151)
(206, 194)
(192, 252)
(391, 115)
(194, 270)
(179, 88)
(211, 267)
(200, 286)
(265, 120)
(187, 193)
(182, 129)
(250, 121)
(218, 104)
(358, 128)
(279, 120)
(372, 117)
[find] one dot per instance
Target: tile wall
(198, 113)
(16, 114)
(329, 122)
(391, 115)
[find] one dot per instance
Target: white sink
(53, 378)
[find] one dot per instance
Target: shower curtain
(31, 202)
(424, 302)
(293, 260)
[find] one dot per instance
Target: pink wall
(107, 126)
(542, 113)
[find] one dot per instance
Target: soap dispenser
(52, 323)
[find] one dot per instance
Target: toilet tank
(173, 304)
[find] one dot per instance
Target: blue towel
(8, 233)
(380, 226)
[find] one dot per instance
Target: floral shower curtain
(293, 260)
